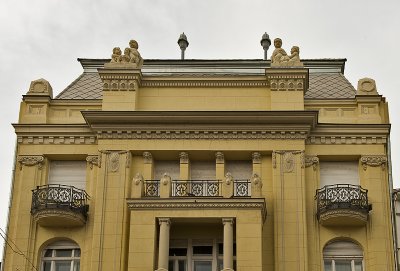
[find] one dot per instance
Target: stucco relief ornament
(184, 157)
(256, 180)
(373, 161)
(219, 157)
(228, 178)
(147, 157)
(165, 179)
(114, 161)
(288, 162)
(31, 161)
(94, 160)
(311, 160)
(137, 179)
(280, 58)
(256, 156)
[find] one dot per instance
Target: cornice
(54, 134)
(199, 203)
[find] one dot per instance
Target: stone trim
(256, 157)
(57, 140)
(198, 203)
(183, 158)
(184, 83)
(219, 157)
(345, 140)
(30, 160)
(94, 160)
(373, 161)
(288, 157)
(311, 160)
(147, 157)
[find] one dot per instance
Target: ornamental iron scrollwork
(196, 188)
(57, 196)
(342, 196)
(152, 188)
(242, 188)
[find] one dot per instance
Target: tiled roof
(329, 86)
(321, 86)
(87, 86)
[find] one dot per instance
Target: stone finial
(366, 86)
(280, 58)
(130, 59)
(165, 179)
(228, 178)
(40, 87)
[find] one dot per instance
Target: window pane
(357, 265)
(63, 265)
(202, 250)
(342, 265)
(46, 266)
(63, 252)
(77, 266)
(328, 265)
(182, 265)
(48, 253)
(202, 265)
(171, 265)
(77, 252)
(177, 251)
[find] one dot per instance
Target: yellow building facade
(202, 165)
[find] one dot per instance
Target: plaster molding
(57, 140)
(203, 83)
(183, 158)
(311, 160)
(373, 161)
(94, 160)
(31, 160)
(147, 157)
(219, 157)
(256, 157)
(69, 218)
(346, 140)
(137, 179)
(288, 159)
(191, 204)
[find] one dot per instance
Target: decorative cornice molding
(311, 160)
(346, 140)
(143, 204)
(204, 83)
(373, 161)
(31, 160)
(202, 135)
(94, 160)
(57, 140)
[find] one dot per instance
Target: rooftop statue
(280, 58)
(130, 58)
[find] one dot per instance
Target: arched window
(343, 256)
(61, 256)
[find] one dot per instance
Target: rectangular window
(339, 173)
(71, 173)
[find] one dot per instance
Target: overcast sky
(43, 39)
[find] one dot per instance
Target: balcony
(342, 205)
(199, 188)
(56, 205)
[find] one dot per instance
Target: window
(71, 173)
(339, 173)
(343, 256)
(61, 256)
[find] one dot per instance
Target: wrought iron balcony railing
(57, 196)
(342, 196)
(152, 188)
(242, 188)
(196, 188)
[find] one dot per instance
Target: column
(163, 245)
(228, 244)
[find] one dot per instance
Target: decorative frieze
(31, 160)
(373, 161)
(94, 160)
(204, 83)
(311, 160)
